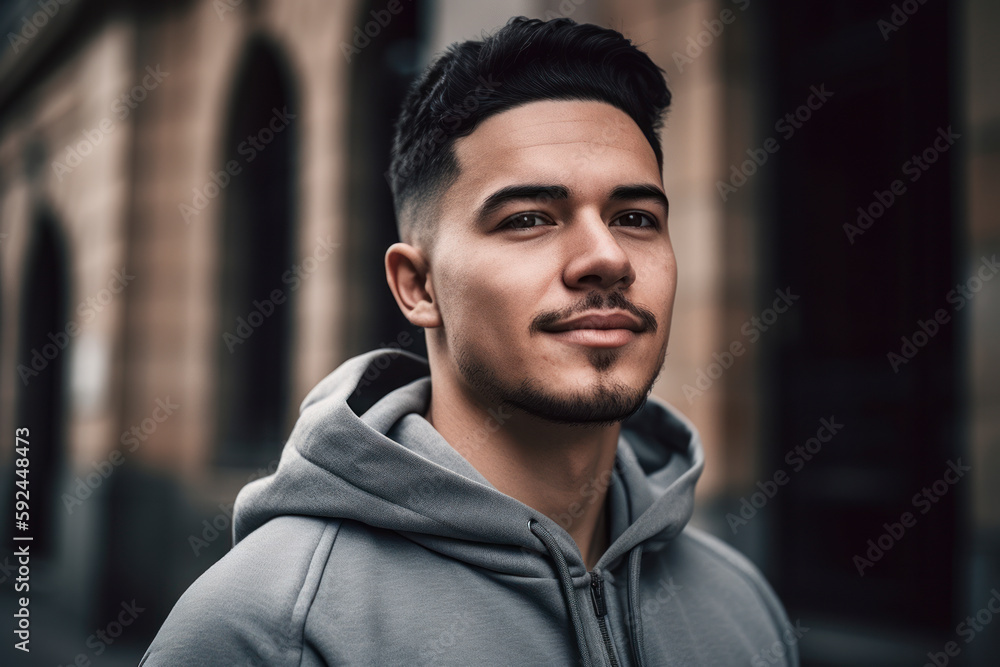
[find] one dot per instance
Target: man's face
(552, 266)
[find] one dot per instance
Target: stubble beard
(609, 402)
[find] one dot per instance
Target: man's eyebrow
(526, 192)
(520, 192)
(640, 191)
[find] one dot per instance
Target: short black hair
(527, 60)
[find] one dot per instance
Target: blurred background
(166, 167)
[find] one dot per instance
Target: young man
(517, 498)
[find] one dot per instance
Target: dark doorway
(381, 73)
(861, 294)
(257, 261)
(43, 346)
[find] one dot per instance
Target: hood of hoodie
(361, 450)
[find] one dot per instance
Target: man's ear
(408, 274)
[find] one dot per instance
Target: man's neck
(561, 470)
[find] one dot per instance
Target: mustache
(597, 300)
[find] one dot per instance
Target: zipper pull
(597, 594)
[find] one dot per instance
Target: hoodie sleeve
(250, 607)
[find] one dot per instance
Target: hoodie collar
(362, 450)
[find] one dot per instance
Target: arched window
(43, 348)
(257, 241)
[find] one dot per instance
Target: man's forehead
(551, 123)
(554, 142)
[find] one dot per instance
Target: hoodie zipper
(601, 609)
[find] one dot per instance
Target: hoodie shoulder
(740, 566)
(250, 607)
(735, 560)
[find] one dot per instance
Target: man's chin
(631, 362)
(583, 395)
(605, 404)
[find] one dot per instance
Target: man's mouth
(597, 329)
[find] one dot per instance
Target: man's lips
(617, 320)
(603, 330)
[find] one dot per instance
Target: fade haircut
(527, 60)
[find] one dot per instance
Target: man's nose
(596, 258)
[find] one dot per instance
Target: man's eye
(635, 219)
(525, 221)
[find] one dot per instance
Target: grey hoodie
(377, 543)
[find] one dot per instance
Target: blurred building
(194, 211)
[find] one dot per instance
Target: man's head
(527, 60)
(526, 178)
